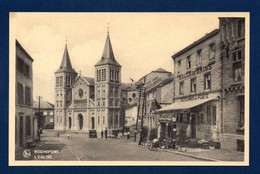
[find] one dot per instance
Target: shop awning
(185, 105)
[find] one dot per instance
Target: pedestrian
(58, 134)
(128, 135)
(68, 135)
(106, 133)
(102, 134)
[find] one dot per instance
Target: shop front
(199, 118)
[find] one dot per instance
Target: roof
(23, 50)
(162, 83)
(65, 65)
(43, 104)
(207, 36)
(161, 70)
(128, 86)
(90, 80)
(185, 105)
(108, 55)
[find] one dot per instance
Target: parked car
(92, 134)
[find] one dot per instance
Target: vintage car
(92, 134)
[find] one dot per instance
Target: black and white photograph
(102, 89)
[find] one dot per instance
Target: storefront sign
(195, 97)
(195, 72)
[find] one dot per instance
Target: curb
(192, 156)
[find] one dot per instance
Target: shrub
(153, 134)
(144, 133)
(182, 136)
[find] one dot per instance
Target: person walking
(102, 134)
(106, 133)
(68, 135)
(128, 135)
(58, 134)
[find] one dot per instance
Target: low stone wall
(229, 141)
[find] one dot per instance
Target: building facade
(85, 103)
(26, 128)
(47, 110)
(197, 90)
(232, 34)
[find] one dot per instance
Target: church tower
(108, 90)
(65, 76)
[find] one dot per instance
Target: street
(81, 147)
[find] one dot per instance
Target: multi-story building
(232, 33)
(197, 89)
(47, 110)
(26, 128)
(85, 103)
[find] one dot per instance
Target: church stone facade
(85, 103)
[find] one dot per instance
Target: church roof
(90, 80)
(65, 65)
(108, 54)
(43, 104)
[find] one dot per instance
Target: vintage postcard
(132, 89)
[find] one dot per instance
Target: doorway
(193, 126)
(93, 123)
(69, 122)
(80, 117)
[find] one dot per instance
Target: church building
(85, 103)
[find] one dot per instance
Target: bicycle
(151, 147)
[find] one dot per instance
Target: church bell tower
(107, 89)
(65, 76)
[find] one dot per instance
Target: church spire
(108, 54)
(66, 63)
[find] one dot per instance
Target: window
(51, 113)
(212, 51)
(179, 66)
(27, 96)
(134, 95)
(110, 102)
(242, 111)
(116, 75)
(60, 119)
(57, 81)
(207, 81)
(61, 80)
(193, 85)
(98, 103)
(214, 115)
(61, 104)
(208, 114)
(237, 71)
(241, 28)
(188, 63)
(45, 113)
(28, 126)
(98, 120)
(51, 119)
(116, 92)
(103, 74)
(237, 55)
(181, 88)
(112, 75)
(199, 58)
(116, 119)
(104, 103)
(20, 93)
(27, 70)
(20, 65)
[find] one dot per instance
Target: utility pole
(39, 116)
(142, 118)
(138, 111)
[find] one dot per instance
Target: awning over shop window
(185, 105)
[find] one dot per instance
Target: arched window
(93, 123)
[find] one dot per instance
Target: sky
(142, 42)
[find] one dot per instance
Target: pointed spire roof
(65, 65)
(108, 54)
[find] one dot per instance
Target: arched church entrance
(80, 117)
(69, 122)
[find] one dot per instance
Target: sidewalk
(198, 153)
(49, 148)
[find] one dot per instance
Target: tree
(153, 134)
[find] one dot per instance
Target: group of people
(102, 134)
